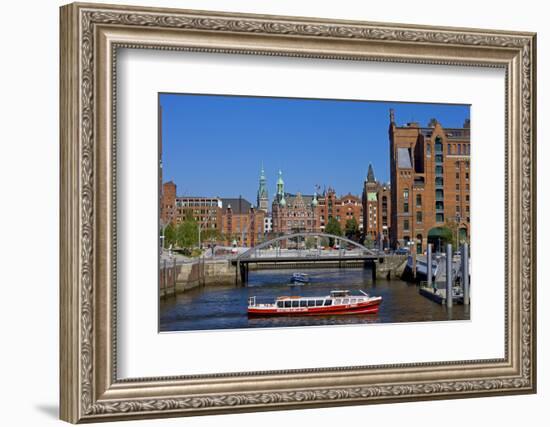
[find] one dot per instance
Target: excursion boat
(299, 278)
(338, 302)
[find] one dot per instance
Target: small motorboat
(299, 278)
(338, 302)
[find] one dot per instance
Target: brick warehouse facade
(341, 208)
(376, 204)
(233, 218)
(430, 183)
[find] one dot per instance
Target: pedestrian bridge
(305, 249)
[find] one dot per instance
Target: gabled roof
(238, 205)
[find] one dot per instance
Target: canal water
(217, 307)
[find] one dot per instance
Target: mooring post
(175, 275)
(465, 274)
(449, 275)
(164, 278)
(429, 273)
(237, 270)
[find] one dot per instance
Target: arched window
(438, 146)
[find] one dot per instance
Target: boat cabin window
(303, 303)
(339, 293)
(328, 302)
(280, 304)
(337, 301)
(295, 303)
(319, 302)
(310, 303)
(345, 301)
(287, 304)
(353, 301)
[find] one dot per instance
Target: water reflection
(225, 307)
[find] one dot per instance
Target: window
(328, 302)
(457, 198)
(280, 304)
(457, 209)
(319, 302)
(418, 200)
(295, 304)
(457, 187)
(406, 225)
(459, 149)
(406, 207)
(439, 158)
(448, 148)
(458, 175)
(467, 208)
(439, 194)
(467, 175)
(439, 217)
(438, 146)
(287, 304)
(457, 165)
(467, 197)
(303, 303)
(439, 170)
(311, 303)
(406, 194)
(439, 180)
(418, 217)
(428, 150)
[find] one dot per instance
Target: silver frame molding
(90, 37)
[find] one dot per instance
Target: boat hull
(370, 307)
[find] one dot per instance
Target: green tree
(169, 235)
(311, 242)
(352, 228)
(369, 243)
(210, 234)
(333, 227)
(187, 233)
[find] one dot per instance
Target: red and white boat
(338, 302)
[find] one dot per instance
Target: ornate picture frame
(90, 37)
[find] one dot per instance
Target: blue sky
(215, 145)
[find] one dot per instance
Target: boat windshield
(336, 294)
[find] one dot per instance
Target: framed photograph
(265, 213)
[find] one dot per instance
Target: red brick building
(430, 183)
(207, 211)
(376, 203)
(241, 223)
(342, 209)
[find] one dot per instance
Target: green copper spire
(281, 189)
(280, 185)
(314, 202)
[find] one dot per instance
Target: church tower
(262, 199)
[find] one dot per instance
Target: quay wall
(176, 278)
